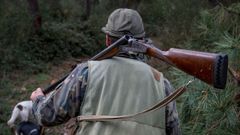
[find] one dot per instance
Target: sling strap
(71, 126)
(155, 107)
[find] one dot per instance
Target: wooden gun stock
(208, 67)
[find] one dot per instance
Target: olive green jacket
(121, 86)
(66, 101)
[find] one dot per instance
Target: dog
(22, 112)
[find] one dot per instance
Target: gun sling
(158, 105)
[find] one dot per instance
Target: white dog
(22, 111)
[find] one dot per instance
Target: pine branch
(239, 115)
(237, 98)
(235, 74)
(229, 11)
(217, 123)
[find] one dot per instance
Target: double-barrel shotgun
(211, 68)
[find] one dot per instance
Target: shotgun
(211, 68)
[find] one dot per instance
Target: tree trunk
(133, 4)
(88, 8)
(87, 5)
(56, 10)
(34, 11)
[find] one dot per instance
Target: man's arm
(172, 120)
(63, 103)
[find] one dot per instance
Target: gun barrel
(106, 53)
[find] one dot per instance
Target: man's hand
(36, 93)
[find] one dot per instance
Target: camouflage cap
(124, 21)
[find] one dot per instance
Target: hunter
(121, 85)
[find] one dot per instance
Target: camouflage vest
(120, 86)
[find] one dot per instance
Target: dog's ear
(20, 107)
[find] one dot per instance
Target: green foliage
(66, 33)
(23, 52)
(209, 111)
(170, 20)
(206, 110)
(63, 35)
(215, 25)
(14, 29)
(5, 110)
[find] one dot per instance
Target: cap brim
(104, 30)
(119, 34)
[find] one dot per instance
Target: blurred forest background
(38, 38)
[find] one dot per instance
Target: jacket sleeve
(172, 120)
(64, 102)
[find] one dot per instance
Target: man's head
(123, 22)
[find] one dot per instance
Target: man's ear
(108, 40)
